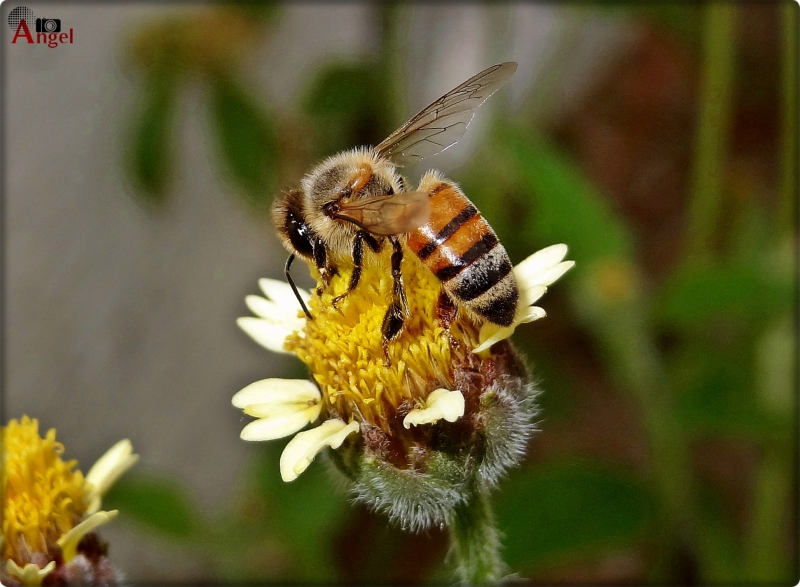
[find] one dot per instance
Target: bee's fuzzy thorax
(326, 182)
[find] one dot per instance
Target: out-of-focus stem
(475, 541)
(635, 359)
(712, 128)
(765, 555)
(789, 78)
(765, 561)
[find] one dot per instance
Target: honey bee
(357, 197)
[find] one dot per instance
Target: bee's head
(293, 229)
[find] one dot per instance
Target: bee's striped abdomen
(462, 250)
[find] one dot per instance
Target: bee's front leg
(361, 237)
(326, 270)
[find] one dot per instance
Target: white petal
(281, 292)
(108, 468)
(69, 541)
(441, 403)
(530, 295)
(30, 574)
(551, 274)
(543, 259)
(272, 312)
(276, 391)
(302, 449)
(525, 315)
(269, 335)
(492, 333)
(281, 423)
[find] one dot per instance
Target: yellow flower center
(43, 497)
(343, 347)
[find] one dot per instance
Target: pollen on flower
(43, 496)
(343, 347)
(51, 511)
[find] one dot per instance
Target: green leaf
(151, 150)
(159, 504)
(346, 101)
(265, 11)
(340, 90)
(559, 511)
(568, 208)
(716, 388)
(247, 140)
(744, 293)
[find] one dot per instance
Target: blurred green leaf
(247, 139)
(696, 294)
(715, 390)
(340, 90)
(562, 509)
(152, 150)
(158, 504)
(347, 103)
(568, 208)
(683, 19)
(306, 513)
(266, 11)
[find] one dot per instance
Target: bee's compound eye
(299, 235)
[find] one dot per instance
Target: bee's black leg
(294, 287)
(326, 271)
(397, 275)
(358, 260)
(392, 326)
(398, 311)
(374, 244)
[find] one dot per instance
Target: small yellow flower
(356, 387)
(48, 505)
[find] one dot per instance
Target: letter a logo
(23, 31)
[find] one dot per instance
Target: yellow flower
(48, 505)
(357, 386)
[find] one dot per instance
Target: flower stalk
(475, 541)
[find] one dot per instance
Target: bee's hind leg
(358, 261)
(391, 328)
(399, 291)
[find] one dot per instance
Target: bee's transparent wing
(444, 122)
(388, 215)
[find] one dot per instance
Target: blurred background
(659, 142)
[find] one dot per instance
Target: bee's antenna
(294, 287)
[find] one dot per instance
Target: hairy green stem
(475, 541)
(713, 125)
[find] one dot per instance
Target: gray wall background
(119, 322)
